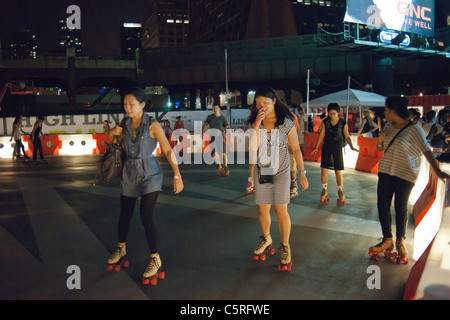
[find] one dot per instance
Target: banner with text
(415, 16)
(93, 123)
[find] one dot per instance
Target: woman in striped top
(273, 131)
(398, 170)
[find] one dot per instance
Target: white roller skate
(117, 259)
(384, 247)
(285, 258)
(341, 197)
(153, 271)
(324, 196)
(265, 246)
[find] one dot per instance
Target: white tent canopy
(356, 99)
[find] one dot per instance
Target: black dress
(332, 157)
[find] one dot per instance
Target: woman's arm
(157, 132)
(295, 147)
(348, 139)
(434, 165)
(320, 138)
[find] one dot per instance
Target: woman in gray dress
(273, 131)
(141, 177)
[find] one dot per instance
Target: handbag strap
(390, 143)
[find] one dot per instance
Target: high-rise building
(23, 45)
(213, 21)
(167, 25)
(228, 20)
(68, 38)
(130, 39)
(178, 22)
(313, 14)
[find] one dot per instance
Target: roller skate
(219, 170)
(153, 271)
(294, 189)
(402, 253)
(324, 196)
(341, 197)
(250, 187)
(264, 247)
(386, 246)
(285, 259)
(117, 259)
(225, 172)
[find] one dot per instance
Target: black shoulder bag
(111, 164)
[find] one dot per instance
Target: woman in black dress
(334, 132)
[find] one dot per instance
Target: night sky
(101, 21)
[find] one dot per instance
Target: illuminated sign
(414, 16)
(131, 25)
(388, 36)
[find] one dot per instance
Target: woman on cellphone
(273, 131)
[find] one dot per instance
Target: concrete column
(382, 75)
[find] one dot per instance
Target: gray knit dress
(273, 160)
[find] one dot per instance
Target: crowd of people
(16, 134)
(400, 132)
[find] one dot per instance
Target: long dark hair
(281, 108)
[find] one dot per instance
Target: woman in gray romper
(273, 131)
(142, 176)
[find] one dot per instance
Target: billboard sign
(414, 16)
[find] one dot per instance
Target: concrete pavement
(55, 215)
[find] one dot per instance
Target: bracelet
(256, 125)
(177, 177)
(302, 171)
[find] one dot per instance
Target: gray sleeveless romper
(141, 173)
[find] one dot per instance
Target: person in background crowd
(219, 122)
(37, 144)
(106, 127)
(430, 120)
(368, 126)
(334, 132)
(167, 129)
(17, 135)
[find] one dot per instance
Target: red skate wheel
(255, 257)
(375, 256)
(263, 257)
(126, 264)
(109, 267)
(272, 251)
(145, 281)
(404, 260)
(154, 281)
(162, 275)
(282, 267)
(117, 267)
